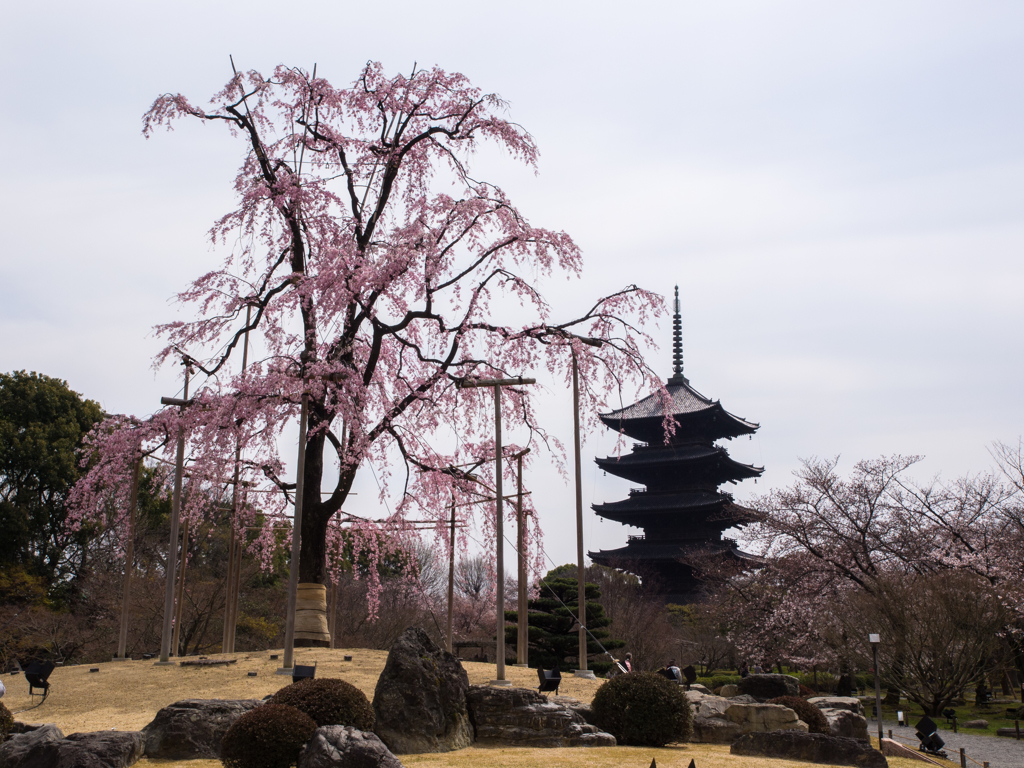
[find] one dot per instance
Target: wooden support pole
(236, 595)
(180, 599)
(293, 567)
(451, 579)
(333, 616)
(231, 603)
(171, 570)
(229, 589)
(129, 563)
(499, 535)
(581, 579)
(523, 638)
(499, 531)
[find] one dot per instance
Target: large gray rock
(521, 717)
(341, 746)
(843, 722)
(193, 728)
(764, 687)
(18, 751)
(729, 690)
(851, 703)
(809, 747)
(102, 749)
(420, 699)
(718, 720)
(43, 748)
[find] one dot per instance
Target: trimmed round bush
(6, 722)
(806, 692)
(643, 709)
(328, 701)
(810, 714)
(269, 736)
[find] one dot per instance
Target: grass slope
(127, 695)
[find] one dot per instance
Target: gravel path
(999, 751)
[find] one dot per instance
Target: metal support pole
(581, 580)
(180, 597)
(523, 637)
(499, 535)
(293, 567)
(171, 571)
(874, 639)
(451, 580)
(129, 563)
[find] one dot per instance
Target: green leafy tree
(553, 632)
(42, 423)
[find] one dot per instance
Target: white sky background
(836, 187)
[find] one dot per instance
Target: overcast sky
(836, 187)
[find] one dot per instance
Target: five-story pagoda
(681, 509)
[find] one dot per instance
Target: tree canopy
(373, 271)
(42, 424)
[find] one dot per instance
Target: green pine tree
(553, 632)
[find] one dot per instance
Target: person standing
(744, 669)
(627, 662)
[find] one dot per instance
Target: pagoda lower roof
(694, 457)
(638, 549)
(643, 418)
(645, 501)
(674, 510)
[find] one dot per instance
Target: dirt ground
(127, 695)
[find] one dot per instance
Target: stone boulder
(20, 750)
(718, 720)
(849, 725)
(728, 691)
(521, 717)
(585, 711)
(851, 703)
(764, 687)
(975, 724)
(701, 689)
(193, 728)
(44, 748)
(420, 699)
(334, 746)
(809, 747)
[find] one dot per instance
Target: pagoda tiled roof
(682, 399)
(674, 455)
(638, 549)
(646, 501)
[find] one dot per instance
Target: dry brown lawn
(126, 696)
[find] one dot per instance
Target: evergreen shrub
(6, 722)
(810, 714)
(269, 736)
(329, 701)
(643, 709)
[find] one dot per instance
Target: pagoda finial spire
(677, 344)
